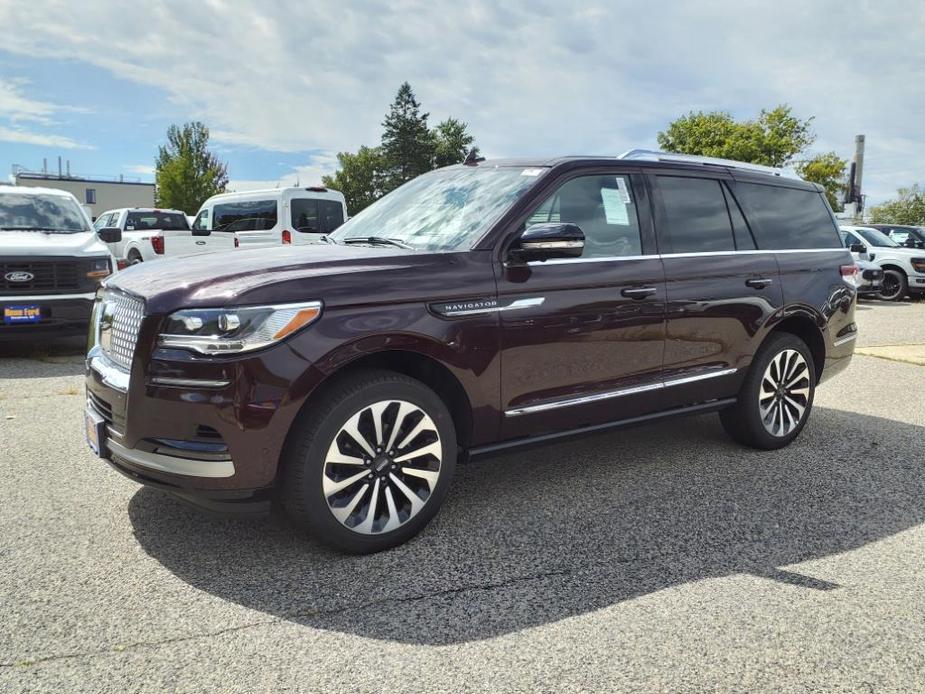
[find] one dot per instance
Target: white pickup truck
(148, 234)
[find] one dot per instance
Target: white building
(96, 195)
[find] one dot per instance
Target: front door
(582, 338)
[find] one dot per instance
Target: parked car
(903, 268)
(904, 235)
(51, 263)
(149, 234)
(869, 279)
(477, 308)
(279, 216)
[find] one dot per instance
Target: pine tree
(407, 143)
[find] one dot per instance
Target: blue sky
(284, 86)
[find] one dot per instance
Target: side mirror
(202, 232)
(857, 248)
(545, 241)
(110, 234)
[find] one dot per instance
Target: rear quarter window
(785, 218)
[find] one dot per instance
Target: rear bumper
(61, 314)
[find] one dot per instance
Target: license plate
(96, 431)
(22, 314)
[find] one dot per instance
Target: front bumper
(61, 314)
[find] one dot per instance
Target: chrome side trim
(517, 305)
(188, 383)
(585, 399)
(112, 376)
(705, 254)
(172, 464)
(46, 297)
(845, 340)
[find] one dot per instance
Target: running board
(699, 408)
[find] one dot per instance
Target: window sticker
(531, 172)
(624, 191)
(615, 206)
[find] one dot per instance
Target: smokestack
(68, 168)
(45, 166)
(59, 166)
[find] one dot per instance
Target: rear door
(311, 218)
(255, 222)
(721, 290)
(582, 338)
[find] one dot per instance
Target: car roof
(30, 190)
(739, 170)
(279, 193)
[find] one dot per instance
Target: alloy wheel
(890, 286)
(382, 466)
(784, 394)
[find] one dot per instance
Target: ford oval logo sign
(19, 277)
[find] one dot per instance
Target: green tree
(408, 148)
(828, 170)
(407, 142)
(452, 142)
(186, 171)
(772, 139)
(359, 177)
(907, 208)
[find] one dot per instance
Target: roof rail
(652, 155)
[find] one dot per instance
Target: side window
(603, 207)
(202, 219)
(899, 236)
(332, 215)
(102, 221)
(845, 239)
(788, 217)
(741, 233)
(251, 215)
(697, 217)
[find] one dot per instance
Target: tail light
(157, 242)
(849, 273)
(287, 236)
(122, 264)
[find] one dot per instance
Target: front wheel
(776, 398)
(369, 464)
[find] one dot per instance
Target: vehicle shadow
(43, 358)
(534, 537)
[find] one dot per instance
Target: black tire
(895, 285)
(134, 258)
(314, 432)
(743, 421)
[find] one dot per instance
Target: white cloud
(144, 169)
(305, 175)
(530, 78)
(32, 138)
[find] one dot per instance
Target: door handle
(638, 292)
(759, 282)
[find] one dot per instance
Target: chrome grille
(119, 325)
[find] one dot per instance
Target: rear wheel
(370, 463)
(894, 286)
(134, 257)
(776, 398)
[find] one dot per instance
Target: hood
(36, 243)
(337, 275)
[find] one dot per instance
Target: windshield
(167, 221)
(447, 209)
(877, 238)
(57, 214)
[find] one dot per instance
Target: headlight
(231, 330)
(99, 268)
(918, 264)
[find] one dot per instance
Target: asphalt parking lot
(652, 559)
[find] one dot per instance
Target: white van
(51, 263)
(148, 234)
(273, 217)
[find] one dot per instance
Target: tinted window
(877, 238)
(788, 217)
(697, 218)
(252, 215)
(603, 207)
(316, 216)
(142, 221)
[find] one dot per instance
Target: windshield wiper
(327, 239)
(378, 241)
(63, 231)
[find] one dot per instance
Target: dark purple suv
(476, 308)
